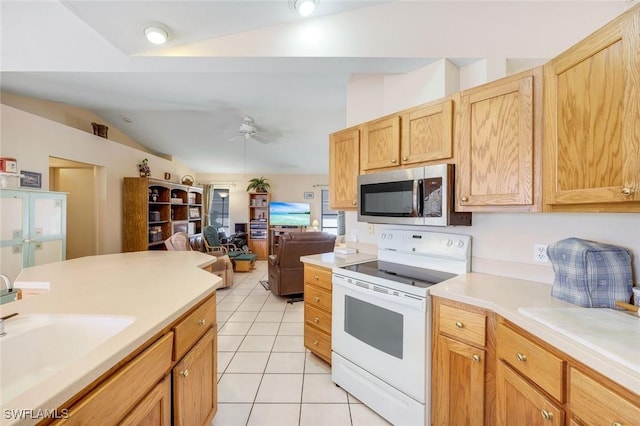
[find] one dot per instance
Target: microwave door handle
(418, 197)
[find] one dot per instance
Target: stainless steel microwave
(416, 196)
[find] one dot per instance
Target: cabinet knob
(627, 191)
(405, 158)
(315, 277)
(521, 357)
(315, 343)
(184, 373)
(202, 321)
(546, 415)
(459, 324)
(317, 299)
(316, 320)
(394, 160)
(354, 202)
(616, 424)
(476, 358)
(464, 199)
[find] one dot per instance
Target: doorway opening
(78, 180)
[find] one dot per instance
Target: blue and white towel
(590, 274)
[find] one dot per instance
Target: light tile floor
(266, 377)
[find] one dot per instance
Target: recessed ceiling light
(156, 35)
(305, 7)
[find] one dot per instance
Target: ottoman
(245, 262)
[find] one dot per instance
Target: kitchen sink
(37, 346)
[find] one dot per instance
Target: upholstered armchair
(286, 272)
(223, 266)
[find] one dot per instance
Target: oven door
(391, 197)
(384, 334)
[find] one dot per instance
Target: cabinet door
(380, 146)
(519, 403)
(194, 384)
(154, 409)
(458, 384)
(592, 111)
(499, 130)
(344, 167)
(427, 133)
(13, 232)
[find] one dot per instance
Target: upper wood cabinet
(344, 167)
(498, 145)
(427, 133)
(380, 147)
(592, 111)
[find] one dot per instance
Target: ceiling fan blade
(232, 138)
(259, 138)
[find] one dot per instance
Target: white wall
(79, 183)
(283, 188)
(32, 139)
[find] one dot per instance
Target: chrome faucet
(2, 320)
(7, 282)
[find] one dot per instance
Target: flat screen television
(289, 214)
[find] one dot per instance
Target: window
(219, 212)
(330, 218)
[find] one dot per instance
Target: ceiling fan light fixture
(156, 35)
(305, 7)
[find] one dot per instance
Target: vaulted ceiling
(228, 59)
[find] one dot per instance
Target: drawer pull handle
(184, 373)
(459, 324)
(315, 277)
(316, 320)
(521, 357)
(202, 321)
(546, 415)
(317, 299)
(315, 343)
(476, 358)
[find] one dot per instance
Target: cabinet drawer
(317, 298)
(114, 398)
(317, 318)
(318, 342)
(462, 324)
(539, 365)
(594, 403)
(189, 330)
(315, 275)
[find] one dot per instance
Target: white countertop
(155, 287)
(588, 335)
(331, 259)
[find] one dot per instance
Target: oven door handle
(416, 303)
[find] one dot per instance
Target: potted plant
(258, 185)
(144, 169)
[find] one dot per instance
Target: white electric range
(381, 325)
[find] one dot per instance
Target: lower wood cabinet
(194, 383)
(154, 409)
(176, 373)
(520, 403)
(592, 402)
(317, 311)
(462, 365)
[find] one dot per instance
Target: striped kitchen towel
(590, 274)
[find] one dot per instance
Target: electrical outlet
(371, 229)
(540, 253)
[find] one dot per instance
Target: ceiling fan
(248, 130)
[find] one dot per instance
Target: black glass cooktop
(404, 274)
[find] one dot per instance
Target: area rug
(265, 284)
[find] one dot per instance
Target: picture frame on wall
(30, 179)
(308, 195)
